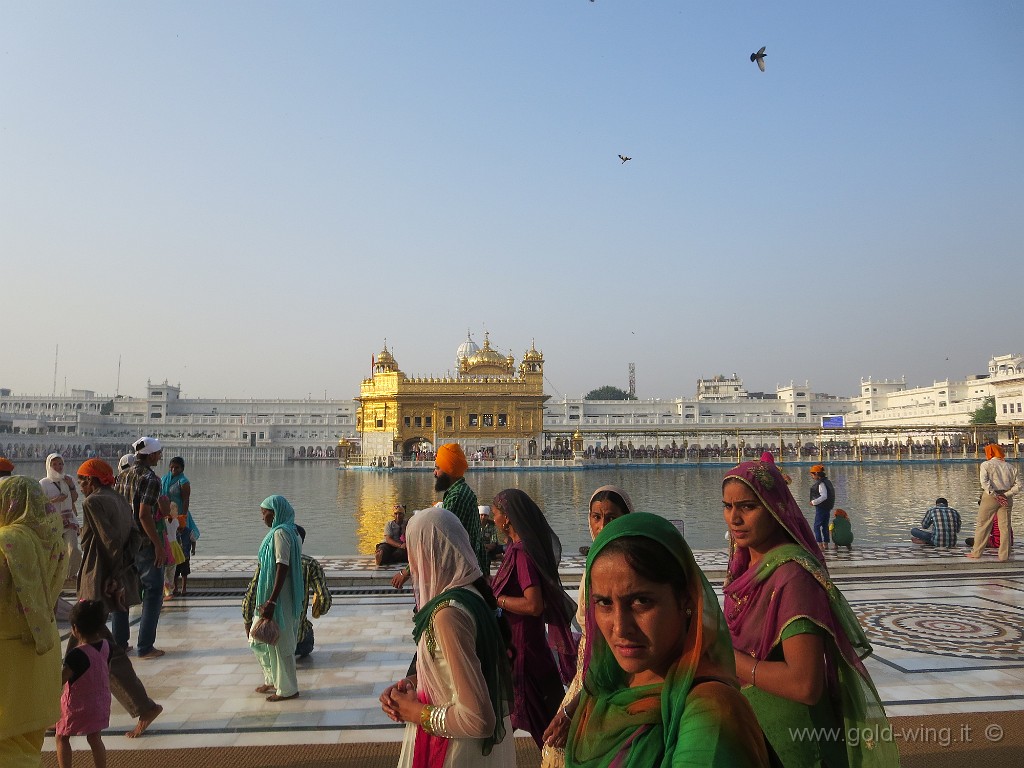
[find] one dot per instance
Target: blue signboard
(832, 422)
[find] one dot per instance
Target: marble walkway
(948, 635)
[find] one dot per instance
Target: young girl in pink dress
(85, 702)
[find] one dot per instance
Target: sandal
(265, 689)
(275, 697)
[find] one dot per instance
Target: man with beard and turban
(450, 466)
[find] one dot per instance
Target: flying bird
(623, 158)
(759, 57)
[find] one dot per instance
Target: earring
(689, 612)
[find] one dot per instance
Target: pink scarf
(430, 750)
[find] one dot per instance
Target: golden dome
(532, 353)
(385, 361)
(485, 355)
(487, 361)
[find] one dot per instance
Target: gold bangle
(425, 718)
(753, 673)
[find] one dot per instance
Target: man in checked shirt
(313, 576)
(940, 526)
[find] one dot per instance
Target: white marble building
(279, 429)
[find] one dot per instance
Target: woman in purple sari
(530, 594)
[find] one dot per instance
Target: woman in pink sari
(797, 644)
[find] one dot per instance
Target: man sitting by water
(392, 549)
(946, 524)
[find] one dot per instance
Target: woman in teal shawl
(798, 645)
(178, 489)
(279, 593)
(660, 686)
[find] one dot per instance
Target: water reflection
(344, 512)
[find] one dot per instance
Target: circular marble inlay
(964, 631)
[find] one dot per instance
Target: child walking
(85, 702)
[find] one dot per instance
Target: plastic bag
(552, 757)
(115, 593)
(265, 631)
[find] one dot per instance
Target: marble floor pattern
(946, 641)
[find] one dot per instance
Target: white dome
(466, 348)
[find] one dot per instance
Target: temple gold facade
(491, 406)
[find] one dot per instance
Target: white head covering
(51, 473)
(440, 555)
(125, 461)
(147, 445)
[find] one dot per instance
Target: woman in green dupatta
(798, 645)
(280, 591)
(660, 687)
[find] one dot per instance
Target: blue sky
(247, 198)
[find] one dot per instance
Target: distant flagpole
(56, 355)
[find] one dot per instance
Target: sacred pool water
(344, 511)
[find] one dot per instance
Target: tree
(608, 392)
(986, 414)
(108, 408)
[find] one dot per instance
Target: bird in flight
(759, 57)
(623, 158)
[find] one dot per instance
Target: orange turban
(994, 451)
(6, 465)
(99, 469)
(841, 513)
(451, 460)
(818, 469)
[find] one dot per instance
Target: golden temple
(489, 406)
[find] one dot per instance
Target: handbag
(265, 631)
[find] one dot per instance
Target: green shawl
(652, 725)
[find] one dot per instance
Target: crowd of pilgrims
(644, 668)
